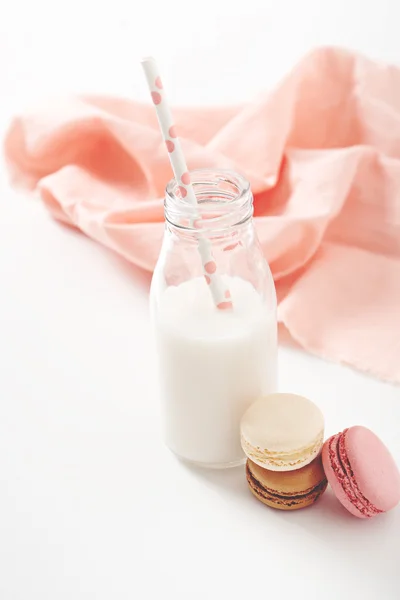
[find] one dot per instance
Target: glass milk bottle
(212, 363)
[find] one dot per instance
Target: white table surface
(92, 506)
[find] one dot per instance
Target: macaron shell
(282, 432)
(281, 504)
(282, 462)
(290, 482)
(373, 467)
(289, 490)
(286, 422)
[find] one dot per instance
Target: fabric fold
(322, 153)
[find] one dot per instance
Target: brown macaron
(287, 490)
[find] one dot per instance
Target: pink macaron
(361, 472)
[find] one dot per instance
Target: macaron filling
(344, 474)
(284, 498)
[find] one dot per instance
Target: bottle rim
(224, 200)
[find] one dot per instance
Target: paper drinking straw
(218, 289)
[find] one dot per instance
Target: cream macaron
(282, 432)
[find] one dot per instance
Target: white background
(92, 506)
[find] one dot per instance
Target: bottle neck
(224, 204)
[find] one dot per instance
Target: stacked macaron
(282, 436)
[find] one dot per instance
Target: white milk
(212, 365)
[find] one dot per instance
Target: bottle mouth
(224, 199)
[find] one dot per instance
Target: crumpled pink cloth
(322, 153)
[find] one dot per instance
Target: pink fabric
(322, 152)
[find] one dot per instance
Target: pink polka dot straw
(219, 292)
